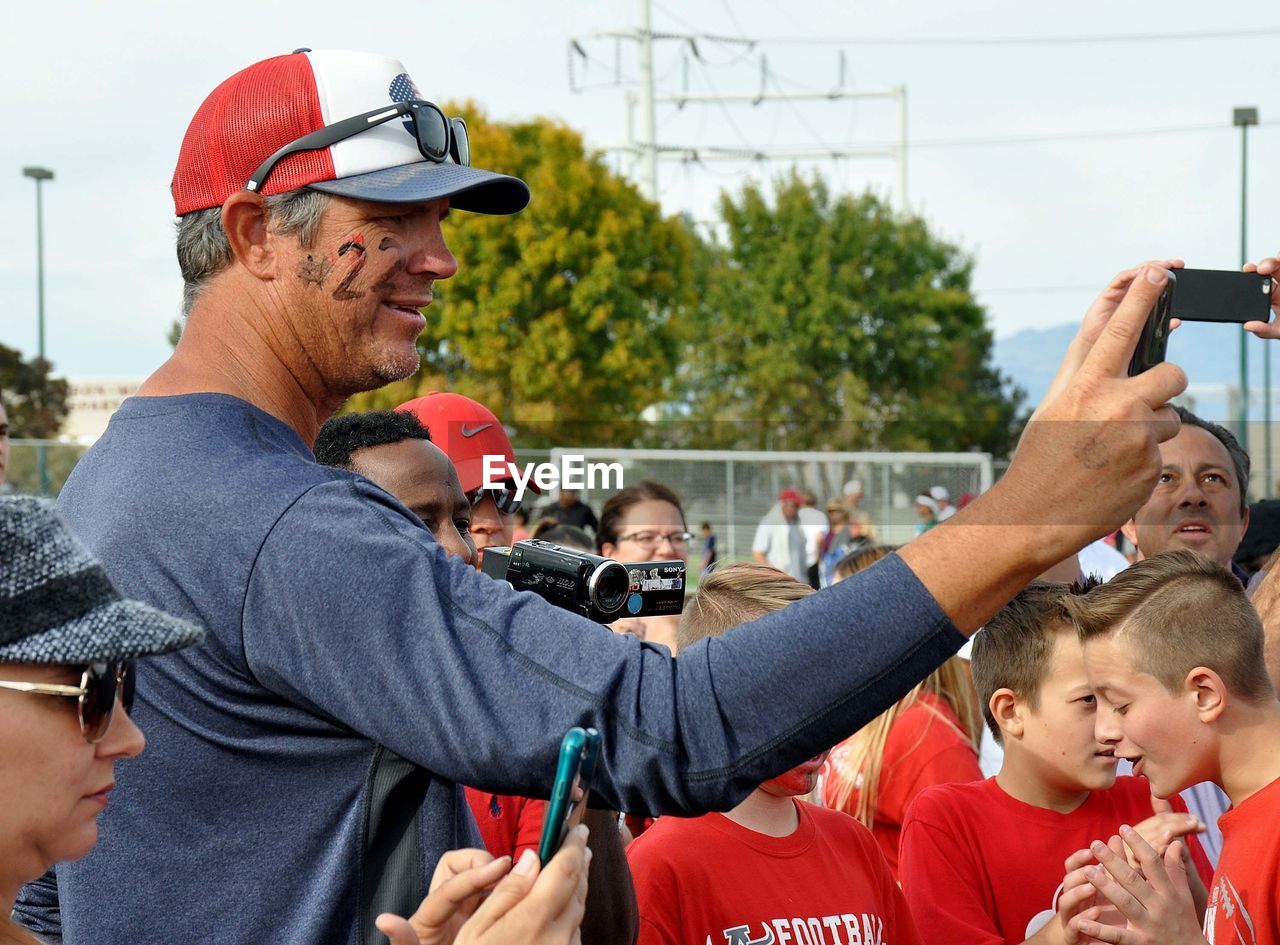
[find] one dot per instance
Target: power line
(1099, 39)
(1072, 136)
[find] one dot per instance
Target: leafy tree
(566, 319)
(833, 323)
(35, 401)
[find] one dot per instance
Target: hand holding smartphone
(574, 770)
(1201, 295)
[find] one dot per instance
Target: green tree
(36, 402)
(830, 322)
(566, 319)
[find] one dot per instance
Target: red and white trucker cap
(272, 103)
(467, 431)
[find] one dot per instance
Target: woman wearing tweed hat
(67, 646)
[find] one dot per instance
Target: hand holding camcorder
(596, 587)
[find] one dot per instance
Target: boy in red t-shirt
(984, 863)
(774, 869)
(1174, 650)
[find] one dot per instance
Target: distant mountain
(1210, 354)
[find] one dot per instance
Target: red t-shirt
(1244, 908)
(983, 868)
(926, 746)
(508, 825)
(708, 879)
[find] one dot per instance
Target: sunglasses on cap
(504, 497)
(439, 137)
(97, 692)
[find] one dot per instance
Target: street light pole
(1242, 118)
(40, 175)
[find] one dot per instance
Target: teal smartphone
(574, 770)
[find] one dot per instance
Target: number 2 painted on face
(344, 292)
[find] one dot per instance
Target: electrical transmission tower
(644, 147)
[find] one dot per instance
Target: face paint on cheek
(314, 271)
(354, 248)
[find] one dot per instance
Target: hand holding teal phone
(578, 753)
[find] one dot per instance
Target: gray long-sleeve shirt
(340, 633)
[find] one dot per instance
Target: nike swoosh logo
(472, 431)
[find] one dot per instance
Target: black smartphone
(1201, 295)
(574, 770)
(1212, 295)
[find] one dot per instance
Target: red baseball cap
(273, 103)
(467, 431)
(790, 495)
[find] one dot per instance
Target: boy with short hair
(1174, 650)
(774, 869)
(983, 863)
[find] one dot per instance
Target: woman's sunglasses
(97, 692)
(439, 137)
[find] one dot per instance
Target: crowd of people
(350, 731)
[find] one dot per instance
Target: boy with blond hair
(773, 869)
(1175, 652)
(985, 863)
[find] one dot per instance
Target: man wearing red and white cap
(305, 757)
(468, 432)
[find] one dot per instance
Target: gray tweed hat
(57, 604)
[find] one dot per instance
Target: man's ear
(1206, 688)
(1130, 531)
(244, 218)
(1006, 709)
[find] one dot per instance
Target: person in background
(566, 536)
(645, 522)
(780, 540)
(853, 495)
(709, 550)
(520, 531)
(393, 450)
(927, 512)
(468, 431)
(1101, 560)
(929, 736)
(942, 498)
(68, 643)
(774, 868)
(847, 533)
(569, 509)
(814, 523)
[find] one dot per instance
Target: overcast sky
(102, 93)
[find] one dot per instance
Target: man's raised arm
(1086, 461)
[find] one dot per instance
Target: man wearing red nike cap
(468, 431)
(311, 189)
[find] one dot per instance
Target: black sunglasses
(439, 137)
(97, 691)
(504, 498)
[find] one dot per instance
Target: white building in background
(92, 402)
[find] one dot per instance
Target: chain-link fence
(731, 490)
(734, 490)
